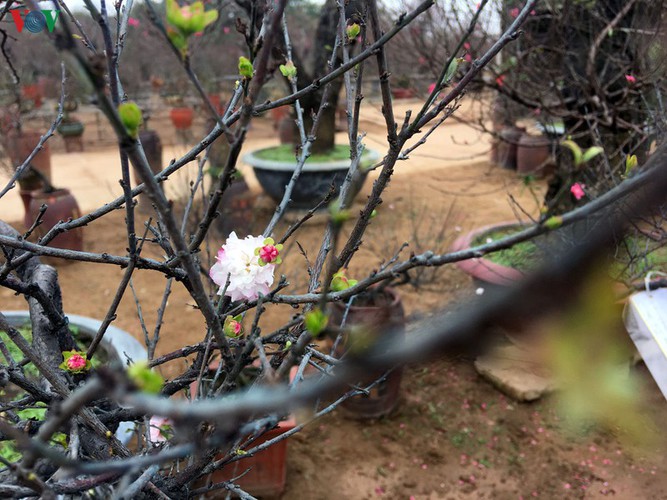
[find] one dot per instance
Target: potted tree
(328, 164)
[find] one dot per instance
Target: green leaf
(288, 70)
(177, 38)
(591, 153)
(316, 321)
(576, 151)
(131, 116)
(245, 67)
(189, 19)
(145, 378)
(630, 164)
(353, 31)
(451, 70)
(340, 282)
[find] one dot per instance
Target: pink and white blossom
(238, 261)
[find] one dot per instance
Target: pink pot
(481, 269)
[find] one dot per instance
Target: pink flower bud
(76, 362)
(514, 12)
(630, 79)
(133, 21)
(577, 191)
(268, 253)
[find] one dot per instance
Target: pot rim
(369, 156)
(485, 269)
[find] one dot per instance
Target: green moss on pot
(285, 152)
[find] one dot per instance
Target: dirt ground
(453, 436)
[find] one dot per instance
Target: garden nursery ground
(453, 435)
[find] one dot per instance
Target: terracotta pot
(182, 118)
(19, 146)
(268, 468)
(504, 151)
(380, 319)
(483, 271)
(533, 155)
(216, 101)
(401, 93)
(287, 130)
(32, 93)
(61, 206)
(278, 114)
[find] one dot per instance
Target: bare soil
(452, 436)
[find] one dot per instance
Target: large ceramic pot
(313, 183)
(119, 346)
(61, 206)
(385, 315)
(182, 118)
(533, 155)
(485, 272)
